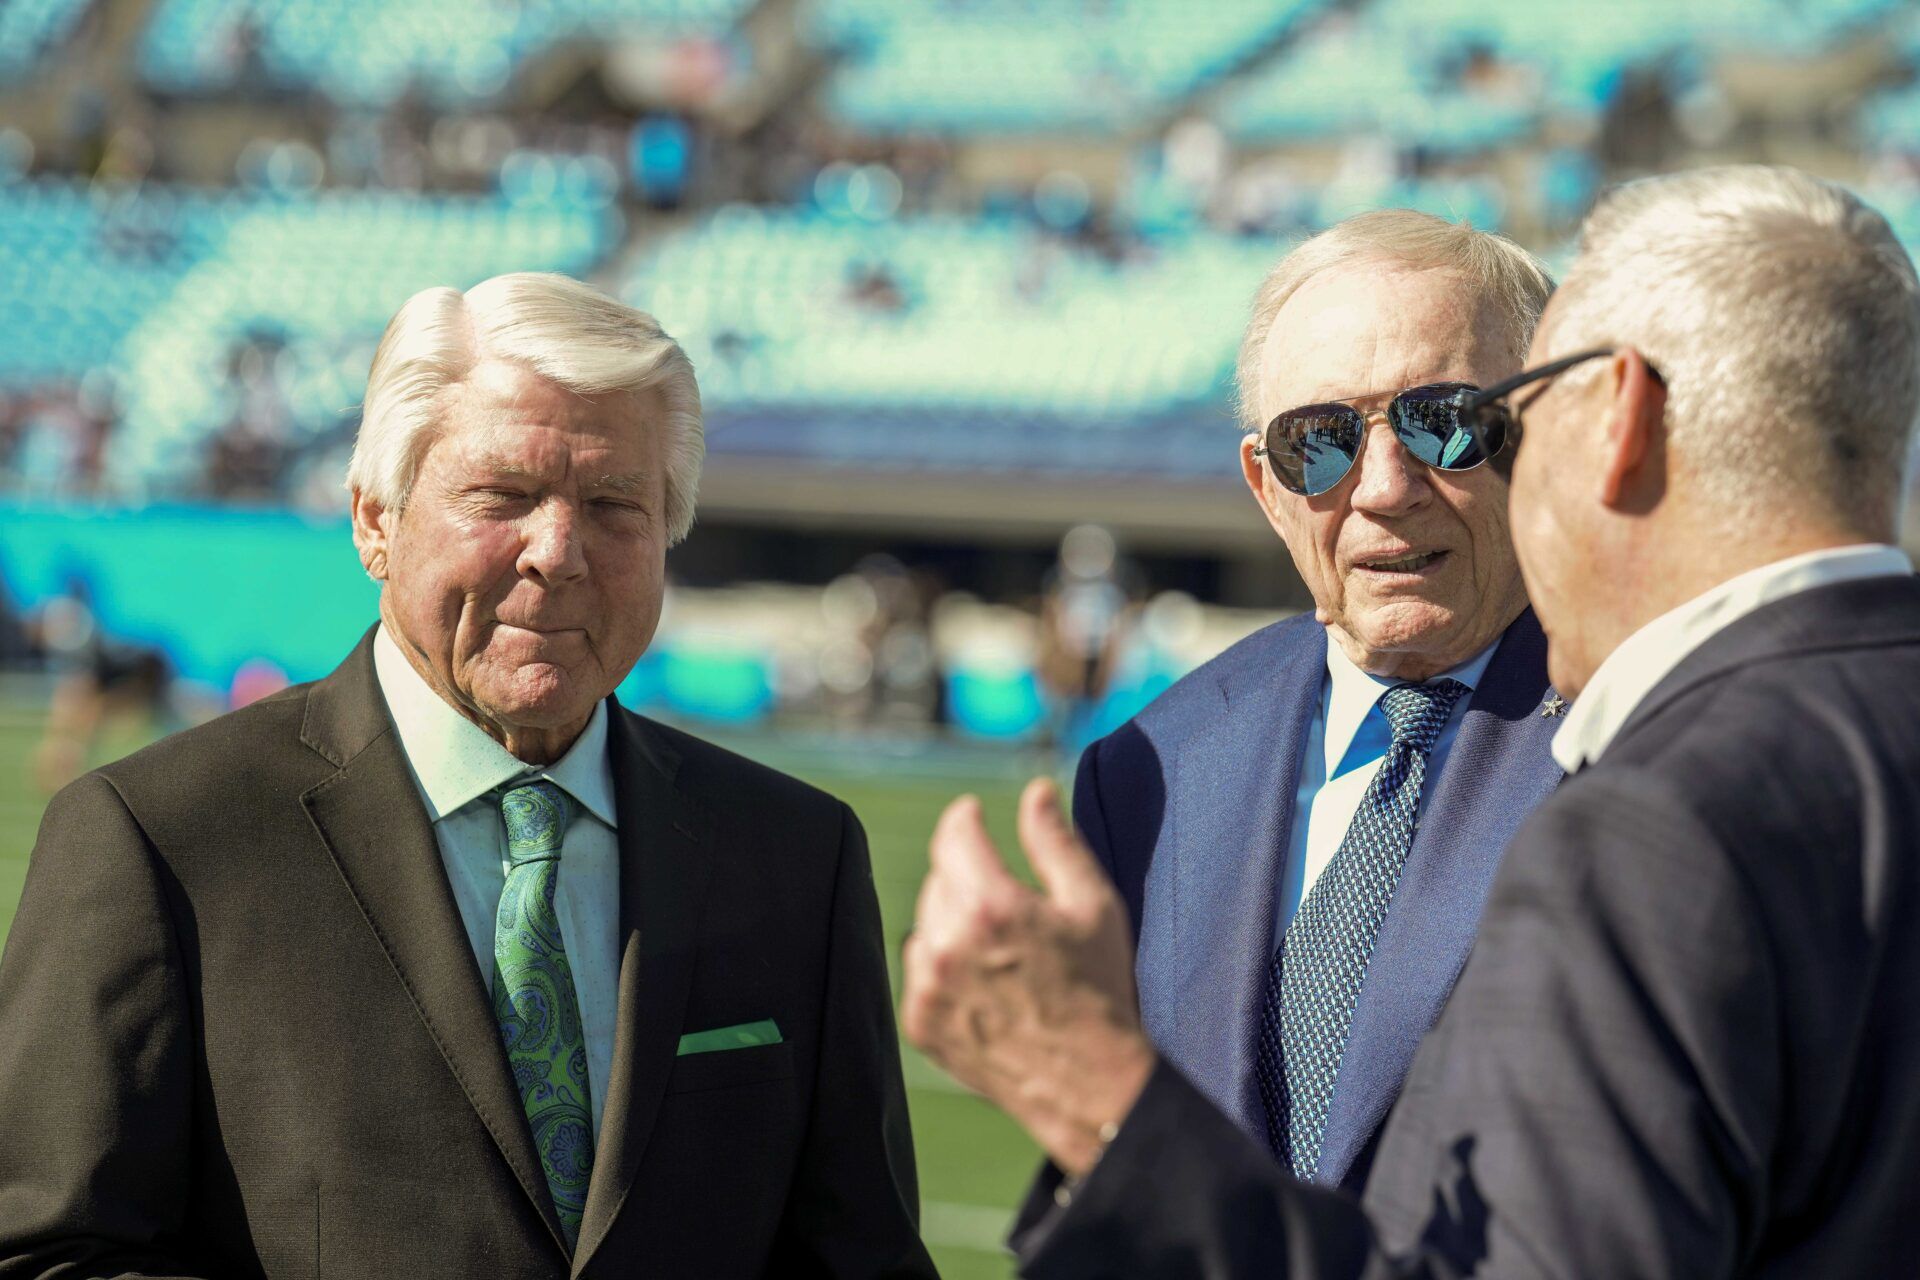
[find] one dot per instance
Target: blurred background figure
(957, 278)
(101, 689)
(1087, 607)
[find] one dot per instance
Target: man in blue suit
(1297, 932)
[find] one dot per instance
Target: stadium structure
(955, 274)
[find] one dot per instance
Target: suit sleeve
(95, 1061)
(1089, 808)
(1595, 1100)
(854, 1209)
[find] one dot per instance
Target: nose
(1391, 481)
(551, 550)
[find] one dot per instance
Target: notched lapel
(1210, 906)
(664, 868)
(373, 823)
(1498, 770)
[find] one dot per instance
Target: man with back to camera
(1291, 951)
(448, 965)
(1685, 1043)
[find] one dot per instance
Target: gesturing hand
(1028, 997)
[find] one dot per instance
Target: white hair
(1507, 276)
(1785, 319)
(564, 331)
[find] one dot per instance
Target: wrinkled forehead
(1370, 329)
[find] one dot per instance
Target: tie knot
(537, 814)
(1417, 712)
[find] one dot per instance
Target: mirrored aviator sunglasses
(1451, 426)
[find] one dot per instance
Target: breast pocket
(731, 1068)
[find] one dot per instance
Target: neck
(1667, 569)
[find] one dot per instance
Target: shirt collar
(1646, 657)
(455, 762)
(1353, 693)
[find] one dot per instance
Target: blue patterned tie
(1321, 962)
(534, 1000)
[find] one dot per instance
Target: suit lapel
(1499, 768)
(373, 823)
(1209, 908)
(664, 869)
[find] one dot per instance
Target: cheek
(629, 582)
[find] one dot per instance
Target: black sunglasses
(1450, 426)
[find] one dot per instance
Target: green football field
(973, 1162)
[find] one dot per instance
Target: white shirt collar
(455, 762)
(1645, 658)
(1353, 693)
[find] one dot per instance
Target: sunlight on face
(525, 572)
(1370, 329)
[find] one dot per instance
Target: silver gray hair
(1783, 315)
(564, 331)
(1507, 276)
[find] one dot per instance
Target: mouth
(540, 631)
(1415, 564)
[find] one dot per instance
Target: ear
(1259, 479)
(1635, 420)
(372, 533)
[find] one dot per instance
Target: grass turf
(973, 1161)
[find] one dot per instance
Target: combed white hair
(1507, 276)
(564, 331)
(1783, 315)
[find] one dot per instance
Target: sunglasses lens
(1430, 421)
(1312, 449)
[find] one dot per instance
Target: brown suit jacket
(242, 1032)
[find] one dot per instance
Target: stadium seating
(159, 287)
(1475, 74)
(368, 52)
(31, 28)
(976, 325)
(1025, 66)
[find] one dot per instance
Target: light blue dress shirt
(455, 765)
(1346, 744)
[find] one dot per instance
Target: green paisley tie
(534, 1001)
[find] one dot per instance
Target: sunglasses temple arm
(1500, 390)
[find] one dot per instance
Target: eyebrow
(626, 482)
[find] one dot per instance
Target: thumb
(1059, 857)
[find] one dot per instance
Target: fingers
(961, 850)
(1059, 857)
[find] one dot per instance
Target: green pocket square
(747, 1035)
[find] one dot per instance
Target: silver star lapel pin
(1556, 706)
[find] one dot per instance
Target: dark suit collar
(1207, 923)
(1866, 613)
(371, 817)
(1499, 768)
(664, 870)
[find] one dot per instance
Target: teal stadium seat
(369, 52)
(157, 287)
(30, 29)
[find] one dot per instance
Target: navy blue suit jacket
(1190, 805)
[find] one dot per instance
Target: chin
(539, 697)
(1408, 626)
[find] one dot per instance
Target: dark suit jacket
(1688, 1042)
(1190, 808)
(242, 1032)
